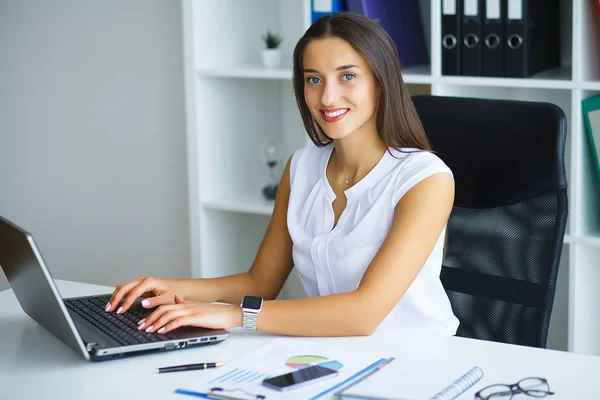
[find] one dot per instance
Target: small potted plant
(271, 55)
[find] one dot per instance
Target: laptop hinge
(90, 346)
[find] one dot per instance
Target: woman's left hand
(188, 313)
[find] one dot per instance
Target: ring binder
(590, 108)
(533, 41)
(325, 7)
(470, 64)
(451, 21)
(492, 62)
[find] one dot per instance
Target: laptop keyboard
(121, 327)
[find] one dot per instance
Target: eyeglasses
(534, 387)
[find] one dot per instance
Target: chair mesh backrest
(504, 239)
(517, 251)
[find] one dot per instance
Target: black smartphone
(300, 377)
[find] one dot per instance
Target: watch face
(252, 302)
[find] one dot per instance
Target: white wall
(92, 135)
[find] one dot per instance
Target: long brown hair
(398, 123)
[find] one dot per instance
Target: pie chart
(305, 361)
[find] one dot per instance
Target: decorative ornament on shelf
(271, 55)
(269, 151)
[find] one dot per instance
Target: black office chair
(506, 230)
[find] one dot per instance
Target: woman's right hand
(157, 292)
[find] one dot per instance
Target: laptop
(81, 322)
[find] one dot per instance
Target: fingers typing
(119, 293)
(163, 315)
(146, 285)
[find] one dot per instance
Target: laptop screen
(33, 285)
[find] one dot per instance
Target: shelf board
(248, 202)
(568, 239)
(589, 239)
(591, 85)
(420, 74)
(255, 203)
(247, 71)
(559, 78)
(413, 75)
(553, 79)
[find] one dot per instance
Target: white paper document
(242, 378)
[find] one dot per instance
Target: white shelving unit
(234, 104)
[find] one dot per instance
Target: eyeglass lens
(496, 392)
(535, 387)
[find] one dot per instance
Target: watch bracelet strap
(249, 321)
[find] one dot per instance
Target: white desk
(35, 365)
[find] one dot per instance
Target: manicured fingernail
(148, 329)
(142, 325)
(145, 302)
(141, 321)
(119, 310)
(107, 306)
(161, 330)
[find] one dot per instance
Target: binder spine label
(492, 9)
(322, 6)
(515, 9)
(471, 8)
(449, 7)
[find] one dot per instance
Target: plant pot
(271, 58)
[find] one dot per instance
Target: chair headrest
(500, 151)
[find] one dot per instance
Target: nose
(331, 93)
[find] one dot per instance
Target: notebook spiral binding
(460, 385)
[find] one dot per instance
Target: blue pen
(373, 367)
(194, 394)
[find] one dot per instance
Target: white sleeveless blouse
(331, 261)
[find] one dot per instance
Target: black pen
(188, 367)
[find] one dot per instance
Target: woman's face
(339, 87)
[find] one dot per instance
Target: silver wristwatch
(251, 307)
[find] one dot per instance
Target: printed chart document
(242, 378)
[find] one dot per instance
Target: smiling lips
(334, 115)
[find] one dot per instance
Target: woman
(360, 212)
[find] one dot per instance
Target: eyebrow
(340, 68)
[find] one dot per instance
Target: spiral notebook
(409, 379)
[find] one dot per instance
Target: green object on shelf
(271, 40)
(591, 116)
